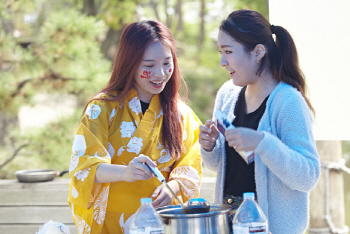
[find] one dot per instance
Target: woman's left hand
(162, 196)
(243, 139)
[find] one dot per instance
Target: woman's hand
(243, 139)
(208, 134)
(163, 196)
(137, 170)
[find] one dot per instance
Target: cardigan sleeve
(291, 154)
(211, 159)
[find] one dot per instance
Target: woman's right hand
(208, 134)
(137, 170)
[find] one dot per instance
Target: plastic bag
(52, 227)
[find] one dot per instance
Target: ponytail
(284, 62)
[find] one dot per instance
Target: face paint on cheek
(146, 74)
(169, 70)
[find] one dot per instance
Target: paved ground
(208, 183)
(207, 188)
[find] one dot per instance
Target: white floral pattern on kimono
(125, 226)
(127, 129)
(160, 113)
(75, 193)
(83, 227)
(135, 145)
(93, 111)
(101, 206)
(82, 174)
(164, 156)
(121, 149)
(135, 105)
(111, 117)
(111, 150)
(189, 178)
(78, 149)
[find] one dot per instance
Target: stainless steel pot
(213, 222)
(38, 175)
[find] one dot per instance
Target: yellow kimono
(116, 132)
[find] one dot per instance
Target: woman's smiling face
(236, 60)
(154, 71)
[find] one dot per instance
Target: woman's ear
(259, 52)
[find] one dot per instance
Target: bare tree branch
(15, 153)
(52, 75)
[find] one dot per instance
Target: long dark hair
(251, 28)
(133, 43)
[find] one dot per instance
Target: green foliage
(117, 13)
(261, 5)
(68, 47)
(65, 55)
(204, 77)
(49, 147)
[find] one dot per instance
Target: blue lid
(198, 199)
(249, 195)
(146, 200)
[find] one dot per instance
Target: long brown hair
(133, 43)
(251, 28)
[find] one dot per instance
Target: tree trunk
(180, 26)
(6, 122)
(167, 19)
(89, 8)
(202, 26)
(154, 5)
(327, 199)
(110, 45)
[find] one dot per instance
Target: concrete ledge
(24, 207)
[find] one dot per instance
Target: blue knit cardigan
(287, 165)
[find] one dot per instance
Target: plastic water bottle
(146, 219)
(249, 217)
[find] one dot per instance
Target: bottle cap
(146, 200)
(248, 195)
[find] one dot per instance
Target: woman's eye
(149, 66)
(228, 52)
(166, 64)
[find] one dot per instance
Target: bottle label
(148, 230)
(259, 229)
(249, 230)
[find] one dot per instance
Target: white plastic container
(146, 220)
(249, 218)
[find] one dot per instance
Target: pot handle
(167, 221)
(63, 172)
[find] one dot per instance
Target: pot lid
(175, 211)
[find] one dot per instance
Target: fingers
(157, 191)
(208, 135)
(209, 122)
(145, 159)
(138, 169)
(233, 138)
(209, 128)
(163, 198)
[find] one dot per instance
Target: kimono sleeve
(90, 149)
(187, 170)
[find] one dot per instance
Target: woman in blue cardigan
(266, 102)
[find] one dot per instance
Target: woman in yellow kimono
(137, 118)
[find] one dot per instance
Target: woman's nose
(159, 71)
(223, 62)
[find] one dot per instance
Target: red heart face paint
(170, 69)
(146, 74)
